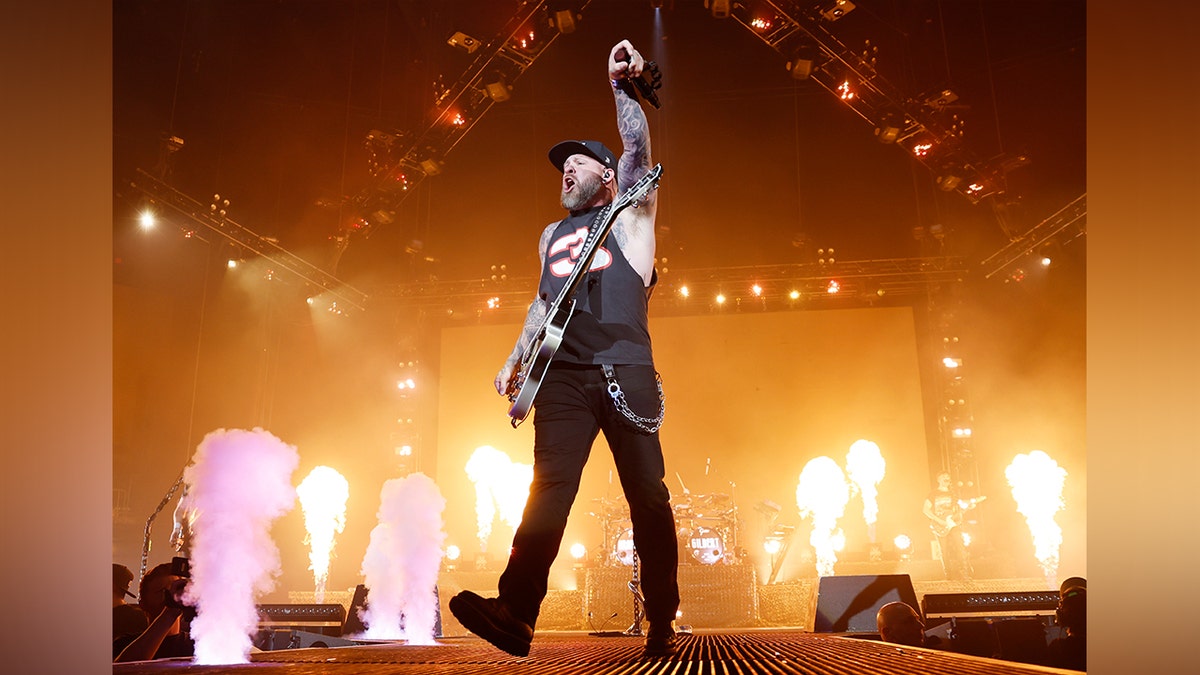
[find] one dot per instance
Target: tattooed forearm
(533, 323)
(635, 135)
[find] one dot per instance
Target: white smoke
(323, 494)
(822, 494)
(401, 565)
(239, 482)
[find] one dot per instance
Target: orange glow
(323, 495)
(761, 24)
(458, 120)
(1037, 485)
(683, 290)
(821, 495)
(844, 88)
(720, 298)
(866, 466)
(794, 295)
(833, 287)
(756, 289)
(922, 149)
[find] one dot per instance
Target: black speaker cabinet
(848, 604)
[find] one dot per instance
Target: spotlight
(683, 290)
(772, 546)
(835, 10)
(578, 551)
(231, 264)
(720, 8)
(564, 21)
(498, 90)
(464, 42)
(146, 219)
(794, 295)
(453, 552)
(951, 362)
(756, 290)
(833, 287)
(720, 298)
(431, 167)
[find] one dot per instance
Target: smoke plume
(239, 482)
(401, 565)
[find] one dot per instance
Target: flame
(1037, 486)
(822, 493)
(865, 466)
(501, 486)
(323, 494)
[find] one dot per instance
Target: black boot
(491, 620)
(661, 640)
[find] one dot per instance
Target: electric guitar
(523, 387)
(953, 520)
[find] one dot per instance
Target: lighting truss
(497, 64)
(911, 123)
(898, 278)
(1066, 224)
(167, 196)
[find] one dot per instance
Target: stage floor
(779, 652)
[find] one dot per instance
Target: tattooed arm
(534, 320)
(634, 229)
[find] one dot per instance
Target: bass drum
(623, 548)
(706, 545)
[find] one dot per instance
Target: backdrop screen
(750, 399)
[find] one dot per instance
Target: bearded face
(584, 188)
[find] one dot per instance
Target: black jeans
(571, 407)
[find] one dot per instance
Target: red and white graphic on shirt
(573, 244)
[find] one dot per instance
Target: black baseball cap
(594, 149)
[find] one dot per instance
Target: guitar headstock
(638, 191)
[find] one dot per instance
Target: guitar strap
(645, 424)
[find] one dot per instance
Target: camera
(181, 567)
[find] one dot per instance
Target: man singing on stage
(605, 349)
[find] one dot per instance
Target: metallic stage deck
(762, 652)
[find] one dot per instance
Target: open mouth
(568, 183)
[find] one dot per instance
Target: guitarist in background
(606, 343)
(945, 515)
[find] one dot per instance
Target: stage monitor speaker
(848, 604)
(354, 623)
(298, 639)
(937, 605)
(326, 619)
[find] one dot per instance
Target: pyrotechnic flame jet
(500, 485)
(1037, 486)
(323, 494)
(865, 466)
(822, 494)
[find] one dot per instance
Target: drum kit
(706, 528)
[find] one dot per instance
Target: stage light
(1046, 261)
(903, 542)
(310, 301)
(844, 91)
(453, 553)
(578, 551)
(720, 8)
(231, 264)
(951, 362)
(837, 9)
(833, 287)
(961, 432)
(683, 290)
(458, 120)
(720, 298)
(794, 295)
(493, 302)
(406, 384)
(772, 546)
(922, 149)
(761, 25)
(564, 21)
(498, 90)
(756, 290)
(404, 451)
(464, 42)
(146, 219)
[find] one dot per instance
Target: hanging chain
(648, 425)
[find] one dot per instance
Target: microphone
(640, 85)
